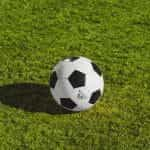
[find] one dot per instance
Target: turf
(35, 35)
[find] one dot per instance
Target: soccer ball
(76, 83)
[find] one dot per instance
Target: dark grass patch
(30, 97)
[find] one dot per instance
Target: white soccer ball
(76, 83)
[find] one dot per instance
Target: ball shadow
(30, 97)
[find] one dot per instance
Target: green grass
(35, 35)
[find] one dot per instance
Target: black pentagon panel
(77, 79)
(94, 97)
(67, 103)
(73, 58)
(96, 69)
(53, 79)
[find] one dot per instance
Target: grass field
(35, 35)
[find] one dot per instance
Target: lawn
(35, 35)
